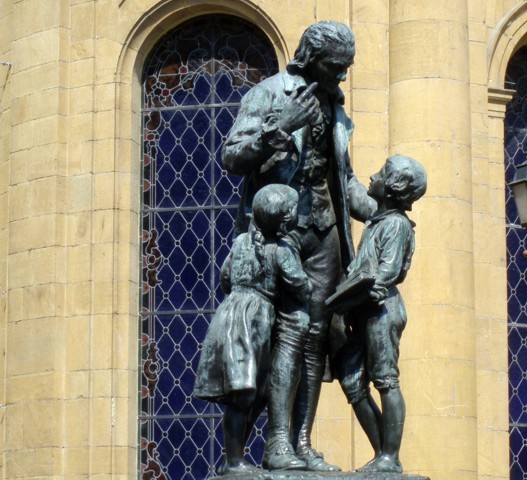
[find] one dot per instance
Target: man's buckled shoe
(280, 455)
(315, 460)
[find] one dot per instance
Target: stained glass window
(192, 85)
(515, 154)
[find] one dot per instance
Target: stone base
(303, 475)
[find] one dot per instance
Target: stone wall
(69, 242)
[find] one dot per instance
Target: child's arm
(293, 280)
(395, 245)
(295, 289)
(361, 205)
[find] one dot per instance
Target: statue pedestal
(303, 475)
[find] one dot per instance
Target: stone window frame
(507, 38)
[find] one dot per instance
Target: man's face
(330, 68)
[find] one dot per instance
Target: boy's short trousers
(371, 353)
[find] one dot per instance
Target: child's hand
(378, 294)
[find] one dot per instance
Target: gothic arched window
(516, 154)
(193, 81)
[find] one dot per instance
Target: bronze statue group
(293, 268)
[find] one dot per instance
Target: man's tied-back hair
(319, 38)
(405, 180)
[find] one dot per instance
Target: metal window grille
(193, 82)
(515, 154)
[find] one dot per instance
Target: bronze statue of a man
(292, 129)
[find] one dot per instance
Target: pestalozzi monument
(293, 268)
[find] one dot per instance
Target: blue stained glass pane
(223, 228)
(189, 141)
(518, 453)
(186, 96)
(201, 88)
(181, 158)
(225, 87)
(228, 190)
(515, 340)
(183, 273)
(192, 84)
(517, 355)
(223, 122)
(178, 342)
(180, 449)
(231, 89)
(223, 233)
(256, 443)
(166, 142)
(178, 121)
(515, 154)
(521, 294)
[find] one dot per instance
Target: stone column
(34, 177)
(429, 119)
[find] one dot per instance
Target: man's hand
(299, 110)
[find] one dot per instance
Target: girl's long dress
(237, 349)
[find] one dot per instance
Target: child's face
(376, 188)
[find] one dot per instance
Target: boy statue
(375, 312)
